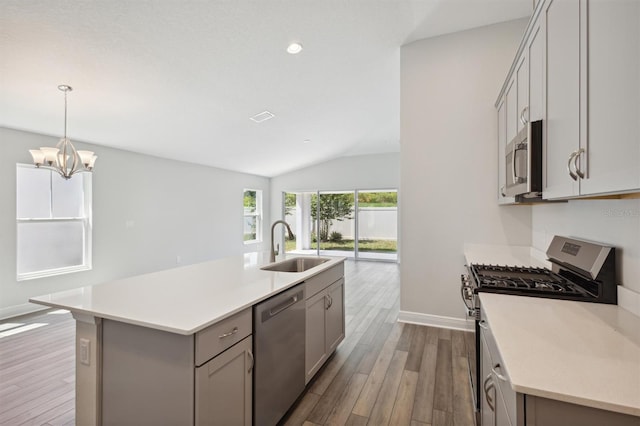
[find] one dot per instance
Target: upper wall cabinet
(612, 144)
(562, 141)
(582, 62)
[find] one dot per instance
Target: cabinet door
(511, 99)
(488, 389)
(522, 81)
(562, 22)
(535, 49)
(315, 343)
(335, 316)
(224, 387)
(502, 145)
(613, 146)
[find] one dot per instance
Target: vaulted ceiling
(181, 79)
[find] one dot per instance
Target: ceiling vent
(263, 116)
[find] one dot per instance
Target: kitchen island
(168, 321)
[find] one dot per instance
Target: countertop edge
(603, 404)
(586, 402)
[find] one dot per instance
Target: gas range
(581, 270)
(526, 281)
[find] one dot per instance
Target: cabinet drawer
(321, 281)
(220, 336)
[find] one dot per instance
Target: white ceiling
(180, 79)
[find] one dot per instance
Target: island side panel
(148, 376)
(88, 370)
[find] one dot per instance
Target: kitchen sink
(296, 264)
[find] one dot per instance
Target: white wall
(376, 171)
(177, 209)
(614, 222)
(449, 162)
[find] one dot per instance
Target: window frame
(258, 215)
(87, 227)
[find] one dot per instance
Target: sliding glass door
(377, 220)
(355, 224)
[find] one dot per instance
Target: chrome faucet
(272, 257)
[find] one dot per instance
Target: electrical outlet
(85, 351)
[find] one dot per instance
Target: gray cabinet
(593, 97)
(562, 24)
(154, 377)
(582, 62)
(612, 157)
(498, 400)
(502, 145)
(334, 316)
(324, 326)
(223, 394)
(500, 405)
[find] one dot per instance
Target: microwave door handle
(519, 147)
(513, 166)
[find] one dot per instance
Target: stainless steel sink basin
(296, 264)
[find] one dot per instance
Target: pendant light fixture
(64, 159)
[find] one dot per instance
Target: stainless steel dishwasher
(279, 339)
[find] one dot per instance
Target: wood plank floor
(383, 373)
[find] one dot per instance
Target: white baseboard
(629, 300)
(436, 321)
(17, 310)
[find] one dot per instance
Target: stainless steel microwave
(523, 163)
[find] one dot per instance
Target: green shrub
(335, 237)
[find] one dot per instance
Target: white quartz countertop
(577, 352)
(183, 300)
(505, 255)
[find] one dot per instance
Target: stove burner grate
(523, 280)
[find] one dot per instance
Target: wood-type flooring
(383, 373)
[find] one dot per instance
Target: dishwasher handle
(286, 304)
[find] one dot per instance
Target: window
(53, 218)
(252, 216)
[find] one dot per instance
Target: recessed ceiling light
(263, 116)
(294, 48)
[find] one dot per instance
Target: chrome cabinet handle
(487, 387)
(250, 354)
(231, 333)
(329, 301)
(483, 325)
(498, 375)
(575, 163)
(524, 120)
(571, 158)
